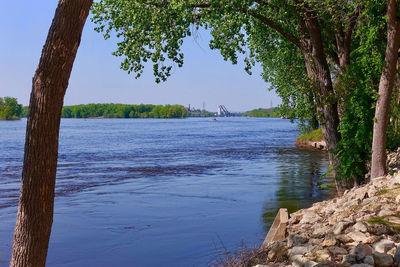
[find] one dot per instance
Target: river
(163, 192)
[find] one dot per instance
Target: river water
(154, 192)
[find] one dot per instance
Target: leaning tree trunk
(36, 201)
(378, 161)
(318, 68)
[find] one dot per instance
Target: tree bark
(318, 68)
(36, 201)
(378, 161)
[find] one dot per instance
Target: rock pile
(393, 161)
(361, 228)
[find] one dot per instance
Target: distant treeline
(122, 111)
(263, 112)
(10, 109)
(147, 111)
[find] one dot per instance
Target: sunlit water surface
(153, 192)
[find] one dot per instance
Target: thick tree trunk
(378, 162)
(318, 69)
(36, 201)
(343, 49)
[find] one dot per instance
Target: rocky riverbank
(361, 228)
(306, 144)
(313, 140)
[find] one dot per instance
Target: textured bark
(343, 40)
(318, 68)
(378, 161)
(36, 201)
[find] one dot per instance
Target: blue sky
(97, 78)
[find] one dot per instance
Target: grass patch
(326, 186)
(383, 191)
(315, 136)
(382, 221)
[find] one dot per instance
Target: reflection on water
(300, 174)
(163, 192)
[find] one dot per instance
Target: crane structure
(223, 111)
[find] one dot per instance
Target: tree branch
(352, 23)
(292, 38)
(274, 26)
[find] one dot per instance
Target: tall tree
(36, 201)
(378, 162)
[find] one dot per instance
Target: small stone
(350, 203)
(320, 231)
(372, 192)
(340, 226)
(362, 265)
(260, 265)
(398, 199)
(396, 179)
(344, 238)
(385, 212)
(382, 259)
(393, 219)
(369, 260)
(337, 250)
(322, 255)
(298, 260)
(326, 264)
(295, 217)
(331, 208)
(299, 250)
(358, 236)
(329, 240)
(397, 255)
(332, 220)
(315, 241)
(310, 218)
(349, 258)
(362, 250)
(378, 181)
(360, 226)
(371, 199)
(310, 264)
(379, 229)
(277, 250)
(383, 245)
(361, 193)
(295, 240)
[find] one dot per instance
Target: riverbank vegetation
(123, 111)
(315, 135)
(10, 109)
(263, 112)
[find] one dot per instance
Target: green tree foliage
(10, 109)
(25, 110)
(357, 89)
(262, 112)
(124, 111)
(393, 131)
(277, 34)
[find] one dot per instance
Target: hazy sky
(97, 78)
